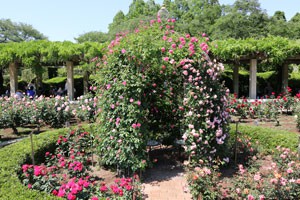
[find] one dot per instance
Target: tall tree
(139, 11)
(204, 14)
(93, 36)
(278, 25)
(243, 19)
(137, 8)
(294, 26)
(18, 32)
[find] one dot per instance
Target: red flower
(54, 192)
(103, 188)
(121, 192)
(71, 196)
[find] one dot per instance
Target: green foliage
(157, 84)
(279, 179)
(55, 80)
(37, 53)
(272, 50)
(269, 138)
(18, 32)
(19, 153)
(93, 36)
(294, 26)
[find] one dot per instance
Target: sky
(63, 20)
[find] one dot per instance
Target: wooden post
(236, 80)
(13, 76)
(70, 80)
(86, 76)
(235, 149)
(252, 79)
(39, 79)
(32, 150)
(285, 77)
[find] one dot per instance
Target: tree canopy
(93, 36)
(18, 32)
(240, 20)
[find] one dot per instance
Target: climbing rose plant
(158, 84)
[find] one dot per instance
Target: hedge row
(262, 79)
(13, 156)
(267, 137)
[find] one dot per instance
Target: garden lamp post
(163, 13)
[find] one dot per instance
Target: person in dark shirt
(30, 92)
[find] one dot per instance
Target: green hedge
(13, 156)
(57, 82)
(262, 79)
(267, 137)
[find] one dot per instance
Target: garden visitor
(268, 90)
(31, 85)
(19, 95)
(30, 92)
(7, 91)
(59, 92)
(66, 88)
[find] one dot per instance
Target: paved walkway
(166, 180)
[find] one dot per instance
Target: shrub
(16, 154)
(280, 180)
(86, 108)
(66, 173)
(155, 81)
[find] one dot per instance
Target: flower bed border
(13, 156)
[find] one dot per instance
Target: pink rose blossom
(133, 125)
(166, 58)
(262, 197)
(257, 177)
(250, 197)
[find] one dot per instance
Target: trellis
(46, 53)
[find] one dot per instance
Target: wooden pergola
(253, 63)
(13, 77)
(46, 53)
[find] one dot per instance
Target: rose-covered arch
(158, 84)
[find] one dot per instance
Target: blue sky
(63, 20)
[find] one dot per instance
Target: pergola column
(86, 76)
(285, 77)
(70, 79)
(236, 80)
(252, 79)
(13, 76)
